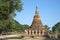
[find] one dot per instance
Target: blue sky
(49, 11)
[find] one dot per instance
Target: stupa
(36, 29)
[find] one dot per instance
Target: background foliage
(7, 12)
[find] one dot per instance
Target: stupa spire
(36, 13)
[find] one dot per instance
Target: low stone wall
(10, 36)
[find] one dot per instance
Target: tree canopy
(46, 26)
(56, 27)
(9, 6)
(7, 12)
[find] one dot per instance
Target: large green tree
(7, 9)
(46, 26)
(56, 27)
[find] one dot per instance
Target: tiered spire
(36, 24)
(36, 13)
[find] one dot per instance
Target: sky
(49, 12)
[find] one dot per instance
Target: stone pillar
(39, 32)
(36, 32)
(43, 32)
(29, 32)
(32, 32)
(26, 31)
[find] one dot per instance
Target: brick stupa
(36, 29)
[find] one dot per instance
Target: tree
(7, 9)
(46, 26)
(25, 26)
(56, 27)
